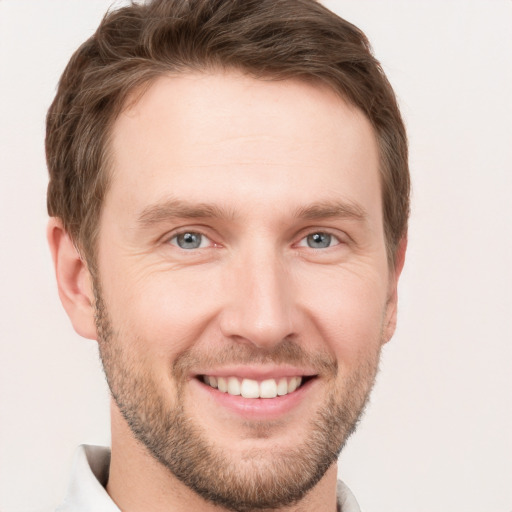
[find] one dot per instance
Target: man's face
(241, 245)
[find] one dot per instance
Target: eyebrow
(180, 209)
(332, 209)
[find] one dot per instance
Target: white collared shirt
(86, 491)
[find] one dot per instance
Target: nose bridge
(261, 307)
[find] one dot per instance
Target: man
(229, 195)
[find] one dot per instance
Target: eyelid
(342, 238)
(204, 239)
(168, 237)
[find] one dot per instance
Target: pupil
(319, 240)
(189, 241)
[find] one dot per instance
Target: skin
(275, 162)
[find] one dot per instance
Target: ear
(391, 307)
(73, 280)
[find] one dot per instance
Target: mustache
(285, 352)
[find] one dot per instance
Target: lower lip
(258, 408)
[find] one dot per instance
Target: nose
(259, 308)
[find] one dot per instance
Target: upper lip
(257, 372)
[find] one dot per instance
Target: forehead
(207, 136)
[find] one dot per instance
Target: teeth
(294, 383)
(282, 386)
(222, 384)
(249, 388)
(233, 386)
(268, 389)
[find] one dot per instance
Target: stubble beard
(256, 481)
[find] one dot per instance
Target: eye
(189, 240)
(319, 240)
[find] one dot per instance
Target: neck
(139, 482)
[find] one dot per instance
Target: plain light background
(437, 435)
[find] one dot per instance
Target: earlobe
(391, 307)
(73, 280)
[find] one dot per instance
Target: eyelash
(188, 232)
(332, 237)
(302, 241)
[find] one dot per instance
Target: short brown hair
(270, 39)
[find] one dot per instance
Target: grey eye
(188, 240)
(319, 240)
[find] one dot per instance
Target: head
(230, 192)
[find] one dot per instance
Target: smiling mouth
(250, 388)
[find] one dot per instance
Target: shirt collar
(346, 500)
(89, 476)
(86, 490)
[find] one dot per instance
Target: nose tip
(263, 334)
(260, 310)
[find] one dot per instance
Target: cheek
(165, 311)
(347, 309)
